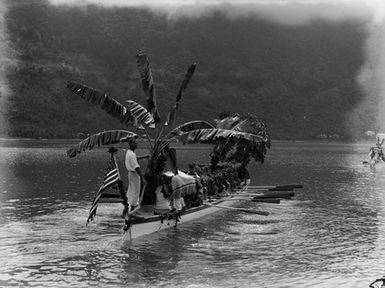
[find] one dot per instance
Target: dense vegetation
(300, 80)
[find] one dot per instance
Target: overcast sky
(284, 11)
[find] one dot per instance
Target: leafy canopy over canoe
(235, 138)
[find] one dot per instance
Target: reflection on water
(331, 235)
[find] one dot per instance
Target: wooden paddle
(265, 189)
(268, 194)
(294, 186)
(268, 200)
(264, 200)
(270, 189)
(275, 195)
(251, 211)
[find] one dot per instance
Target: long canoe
(145, 224)
(141, 226)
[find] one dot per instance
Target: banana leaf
(214, 135)
(186, 80)
(171, 116)
(228, 122)
(187, 127)
(257, 145)
(254, 126)
(148, 85)
(100, 139)
(140, 113)
(242, 126)
(104, 101)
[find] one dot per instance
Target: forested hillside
(299, 79)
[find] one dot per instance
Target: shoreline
(67, 143)
(6, 138)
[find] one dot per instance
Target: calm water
(331, 235)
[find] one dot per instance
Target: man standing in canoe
(135, 177)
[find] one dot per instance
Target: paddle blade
(268, 200)
(263, 213)
(275, 195)
(293, 186)
(281, 189)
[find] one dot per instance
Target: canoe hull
(150, 226)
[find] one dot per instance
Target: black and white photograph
(192, 143)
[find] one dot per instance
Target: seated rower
(178, 204)
(162, 204)
(191, 170)
(184, 190)
(244, 176)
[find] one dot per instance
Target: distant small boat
(376, 153)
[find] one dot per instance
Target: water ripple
(331, 234)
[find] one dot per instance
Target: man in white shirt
(135, 178)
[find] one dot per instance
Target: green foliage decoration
(253, 141)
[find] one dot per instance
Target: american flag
(110, 178)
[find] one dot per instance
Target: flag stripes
(110, 178)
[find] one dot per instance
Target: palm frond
(105, 102)
(187, 127)
(256, 144)
(148, 85)
(140, 113)
(241, 126)
(100, 139)
(186, 80)
(171, 116)
(251, 124)
(214, 134)
(228, 122)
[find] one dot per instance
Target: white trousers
(133, 190)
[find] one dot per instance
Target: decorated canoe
(237, 139)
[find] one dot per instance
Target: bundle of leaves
(242, 150)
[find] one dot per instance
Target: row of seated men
(190, 188)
